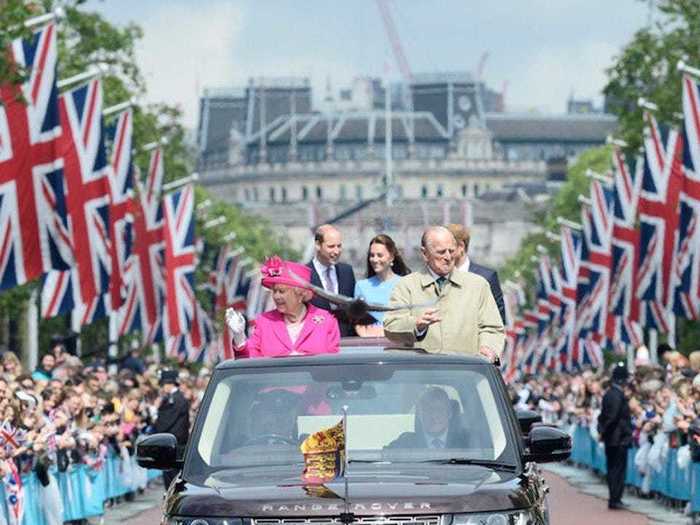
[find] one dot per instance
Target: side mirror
(527, 418)
(548, 444)
(158, 451)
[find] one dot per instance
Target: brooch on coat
(318, 319)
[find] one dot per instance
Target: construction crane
(394, 40)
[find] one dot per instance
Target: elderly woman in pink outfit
(294, 327)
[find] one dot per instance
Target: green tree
(646, 68)
(563, 204)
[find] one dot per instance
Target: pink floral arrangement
(273, 267)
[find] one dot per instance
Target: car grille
(360, 520)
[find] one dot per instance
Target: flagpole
(685, 68)
(33, 330)
(56, 14)
(112, 347)
(599, 176)
(213, 223)
(111, 110)
(347, 517)
(180, 182)
(81, 78)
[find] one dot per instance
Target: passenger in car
(294, 327)
(437, 424)
(465, 319)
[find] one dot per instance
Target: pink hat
(276, 271)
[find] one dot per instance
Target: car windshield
(396, 413)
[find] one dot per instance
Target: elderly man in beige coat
(465, 318)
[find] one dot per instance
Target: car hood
(372, 490)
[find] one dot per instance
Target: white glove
(236, 323)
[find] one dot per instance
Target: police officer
(615, 429)
(173, 416)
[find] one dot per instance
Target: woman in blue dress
(385, 267)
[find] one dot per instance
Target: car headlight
(204, 521)
(518, 517)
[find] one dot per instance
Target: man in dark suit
(615, 429)
(462, 262)
(437, 427)
(173, 416)
(331, 275)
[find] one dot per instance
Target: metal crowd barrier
(83, 491)
(671, 481)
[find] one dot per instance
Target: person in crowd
(438, 427)
(384, 268)
(133, 361)
(331, 274)
(615, 429)
(11, 364)
(44, 371)
(465, 264)
(295, 326)
(465, 319)
(173, 416)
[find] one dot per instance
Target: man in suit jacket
(436, 426)
(330, 274)
(464, 264)
(615, 429)
(173, 416)
(465, 318)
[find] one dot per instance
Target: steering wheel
(270, 439)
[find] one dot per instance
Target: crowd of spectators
(664, 401)
(67, 412)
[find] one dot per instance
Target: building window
(255, 194)
(304, 193)
(284, 194)
(464, 190)
(246, 194)
(319, 192)
(424, 192)
(438, 191)
(272, 195)
(343, 192)
(358, 192)
(476, 189)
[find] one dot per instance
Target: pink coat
(319, 335)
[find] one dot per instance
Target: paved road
(576, 497)
(568, 505)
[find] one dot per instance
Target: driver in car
(273, 418)
(436, 425)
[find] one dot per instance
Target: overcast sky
(544, 49)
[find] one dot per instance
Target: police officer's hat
(169, 377)
(620, 374)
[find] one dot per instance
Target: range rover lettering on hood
(340, 507)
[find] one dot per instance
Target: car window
(394, 413)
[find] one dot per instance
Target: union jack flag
(200, 343)
(623, 305)
(658, 221)
(86, 174)
(686, 275)
(180, 260)
(228, 273)
(597, 227)
(122, 204)
(34, 235)
(565, 343)
(143, 271)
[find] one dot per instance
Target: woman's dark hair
(399, 265)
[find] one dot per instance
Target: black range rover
(431, 440)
